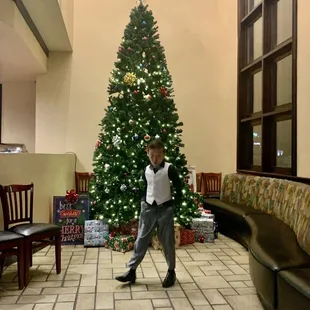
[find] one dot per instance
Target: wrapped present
(130, 228)
(216, 230)
(187, 236)
(95, 239)
(156, 244)
(206, 238)
(95, 233)
(203, 227)
(120, 243)
(95, 226)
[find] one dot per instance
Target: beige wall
(52, 175)
(303, 90)
(18, 113)
(201, 49)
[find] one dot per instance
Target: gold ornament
(130, 78)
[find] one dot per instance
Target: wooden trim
(294, 91)
(0, 113)
(23, 11)
(276, 176)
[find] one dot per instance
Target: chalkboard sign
(71, 218)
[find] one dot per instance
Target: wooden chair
(199, 182)
(212, 184)
(13, 244)
(82, 180)
(17, 205)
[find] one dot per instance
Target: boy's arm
(177, 183)
(143, 185)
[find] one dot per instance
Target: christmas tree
(141, 108)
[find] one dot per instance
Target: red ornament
(147, 138)
(163, 91)
(128, 49)
(71, 196)
(201, 239)
(98, 143)
(144, 38)
(112, 234)
(153, 57)
(136, 92)
(164, 130)
(124, 240)
(120, 49)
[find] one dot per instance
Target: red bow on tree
(72, 196)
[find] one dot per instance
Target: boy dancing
(156, 211)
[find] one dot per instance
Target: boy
(156, 211)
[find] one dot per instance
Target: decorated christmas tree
(141, 108)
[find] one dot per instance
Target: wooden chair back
(199, 182)
(17, 204)
(82, 180)
(212, 183)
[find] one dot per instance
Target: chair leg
(58, 253)
(21, 265)
(30, 257)
(2, 259)
(28, 249)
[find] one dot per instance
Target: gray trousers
(161, 217)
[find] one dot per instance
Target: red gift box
(187, 236)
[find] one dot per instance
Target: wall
(303, 90)
(201, 48)
(18, 113)
(52, 175)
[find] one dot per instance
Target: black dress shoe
(129, 276)
(170, 278)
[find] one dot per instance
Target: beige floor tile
(32, 291)
(227, 291)
(85, 302)
(133, 305)
(214, 297)
(223, 307)
(209, 282)
(249, 283)
(196, 298)
(237, 278)
(181, 304)
(104, 301)
(236, 269)
(64, 306)
(237, 284)
(8, 300)
(189, 286)
(138, 287)
(122, 296)
(246, 291)
(110, 286)
(160, 303)
(149, 295)
(37, 299)
(195, 271)
(87, 289)
(43, 307)
(176, 294)
(71, 283)
(245, 302)
(60, 291)
(150, 272)
(19, 307)
(45, 284)
(66, 297)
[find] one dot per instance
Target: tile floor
(210, 277)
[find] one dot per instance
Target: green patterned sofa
(271, 218)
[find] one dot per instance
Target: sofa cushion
(274, 244)
(237, 211)
(298, 279)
